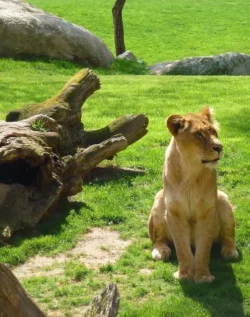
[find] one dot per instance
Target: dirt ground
(94, 249)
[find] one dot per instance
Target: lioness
(189, 210)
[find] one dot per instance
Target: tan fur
(189, 210)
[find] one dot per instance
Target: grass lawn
(155, 31)
(124, 203)
(160, 30)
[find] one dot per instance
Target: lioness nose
(217, 147)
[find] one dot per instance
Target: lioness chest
(191, 200)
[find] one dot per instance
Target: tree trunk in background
(118, 26)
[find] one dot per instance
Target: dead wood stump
(14, 301)
(106, 304)
(45, 153)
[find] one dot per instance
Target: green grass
(155, 31)
(161, 30)
(124, 203)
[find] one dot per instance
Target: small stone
(105, 304)
(129, 56)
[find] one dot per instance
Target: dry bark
(45, 153)
(14, 301)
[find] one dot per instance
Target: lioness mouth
(205, 162)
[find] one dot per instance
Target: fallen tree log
(14, 301)
(45, 153)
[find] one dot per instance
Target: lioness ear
(176, 123)
(208, 113)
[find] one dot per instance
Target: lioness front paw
(204, 278)
(183, 276)
(229, 253)
(161, 254)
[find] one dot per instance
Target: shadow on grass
(100, 175)
(222, 298)
(119, 66)
(60, 63)
(51, 224)
(57, 222)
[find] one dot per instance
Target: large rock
(27, 30)
(223, 64)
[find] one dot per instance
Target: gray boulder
(26, 30)
(223, 64)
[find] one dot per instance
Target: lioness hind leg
(161, 251)
(158, 229)
(227, 223)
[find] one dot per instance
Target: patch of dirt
(55, 313)
(76, 312)
(94, 249)
(146, 271)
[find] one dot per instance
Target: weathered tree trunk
(48, 154)
(14, 301)
(106, 304)
(118, 26)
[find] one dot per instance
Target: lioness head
(196, 137)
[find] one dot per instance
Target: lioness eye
(199, 135)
